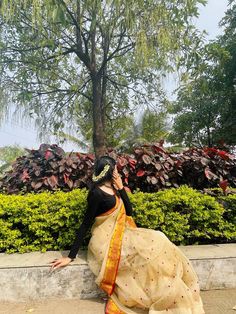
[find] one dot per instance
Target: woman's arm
(118, 184)
(80, 234)
(128, 205)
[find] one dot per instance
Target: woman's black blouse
(98, 203)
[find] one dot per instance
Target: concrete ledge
(27, 276)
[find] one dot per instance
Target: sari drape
(140, 269)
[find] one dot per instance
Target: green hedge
(229, 202)
(40, 222)
(48, 221)
(187, 216)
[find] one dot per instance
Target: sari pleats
(113, 258)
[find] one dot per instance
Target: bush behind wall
(49, 221)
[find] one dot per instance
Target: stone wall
(28, 277)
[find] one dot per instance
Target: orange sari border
(112, 308)
(113, 258)
(130, 222)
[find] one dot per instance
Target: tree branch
(83, 56)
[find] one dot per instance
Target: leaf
(25, 176)
(125, 171)
(153, 180)
(53, 181)
(121, 162)
(140, 173)
(74, 166)
(138, 151)
(224, 155)
(168, 166)
(37, 173)
(81, 166)
(70, 183)
(38, 185)
(48, 155)
(175, 185)
(69, 162)
(76, 184)
(171, 161)
(89, 163)
(209, 174)
(204, 161)
(158, 149)
(58, 151)
(163, 182)
(158, 166)
(45, 181)
(180, 172)
(224, 185)
(165, 176)
(62, 169)
(54, 165)
(66, 177)
(127, 189)
(147, 160)
(91, 157)
(178, 163)
(132, 163)
(44, 147)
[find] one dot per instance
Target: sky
(24, 135)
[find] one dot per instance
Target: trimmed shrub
(48, 221)
(40, 222)
(185, 215)
(229, 203)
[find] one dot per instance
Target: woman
(140, 269)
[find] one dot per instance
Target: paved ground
(215, 301)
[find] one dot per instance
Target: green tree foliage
(59, 55)
(154, 126)
(206, 104)
(228, 41)
(198, 107)
(150, 127)
(8, 155)
(127, 131)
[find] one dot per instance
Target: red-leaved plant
(150, 168)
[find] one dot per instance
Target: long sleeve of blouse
(128, 205)
(98, 203)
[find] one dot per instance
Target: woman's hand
(116, 180)
(61, 262)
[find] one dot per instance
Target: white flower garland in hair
(102, 174)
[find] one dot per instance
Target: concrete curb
(27, 277)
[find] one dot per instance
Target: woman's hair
(103, 169)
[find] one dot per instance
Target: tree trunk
(209, 137)
(98, 128)
(103, 99)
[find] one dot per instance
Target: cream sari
(140, 269)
